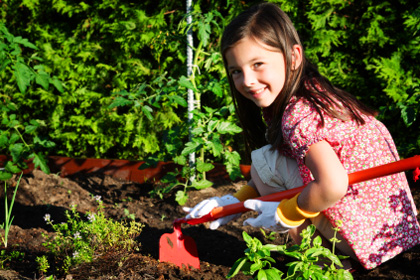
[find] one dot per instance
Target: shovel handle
(356, 177)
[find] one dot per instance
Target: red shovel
(181, 250)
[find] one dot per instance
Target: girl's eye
(258, 64)
(234, 72)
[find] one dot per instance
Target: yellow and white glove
(280, 217)
(205, 206)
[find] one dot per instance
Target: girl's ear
(296, 56)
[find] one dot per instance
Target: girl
(316, 135)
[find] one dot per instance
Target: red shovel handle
(356, 177)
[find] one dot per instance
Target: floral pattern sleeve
(302, 127)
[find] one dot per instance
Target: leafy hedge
(122, 68)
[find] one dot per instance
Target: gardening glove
(280, 217)
(205, 206)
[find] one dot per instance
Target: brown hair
(268, 24)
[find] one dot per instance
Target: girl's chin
(262, 104)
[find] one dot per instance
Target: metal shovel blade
(178, 249)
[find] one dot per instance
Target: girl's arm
(331, 179)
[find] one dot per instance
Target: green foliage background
(103, 50)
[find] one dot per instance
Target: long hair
(268, 24)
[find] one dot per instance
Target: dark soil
(39, 194)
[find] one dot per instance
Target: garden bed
(40, 194)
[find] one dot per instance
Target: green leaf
(10, 167)
(293, 268)
(4, 64)
(191, 147)
(3, 140)
(262, 275)
(169, 177)
(314, 252)
(409, 115)
(344, 275)
(181, 197)
(216, 147)
(204, 29)
(217, 90)
(44, 142)
(16, 151)
(257, 265)
(212, 125)
(23, 76)
(317, 241)
(120, 101)
(148, 112)
(203, 166)
(202, 184)
(58, 84)
(30, 128)
(273, 274)
(237, 266)
(185, 82)
(228, 127)
(40, 161)
(24, 42)
(4, 175)
(197, 130)
(180, 159)
(42, 79)
(150, 162)
(13, 138)
(178, 100)
(246, 237)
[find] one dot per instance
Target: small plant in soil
(309, 254)
(9, 256)
(8, 218)
(81, 240)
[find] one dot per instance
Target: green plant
(101, 47)
(43, 264)
(257, 259)
(99, 57)
(8, 256)
(18, 138)
(129, 215)
(78, 240)
(209, 131)
(8, 218)
(309, 254)
(271, 236)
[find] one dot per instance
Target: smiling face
(258, 71)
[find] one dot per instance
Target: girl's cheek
(237, 83)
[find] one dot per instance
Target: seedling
(309, 254)
(43, 264)
(5, 257)
(81, 240)
(8, 218)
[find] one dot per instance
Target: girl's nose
(249, 78)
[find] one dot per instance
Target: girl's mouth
(257, 93)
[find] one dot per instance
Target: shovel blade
(179, 251)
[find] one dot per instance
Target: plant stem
(8, 211)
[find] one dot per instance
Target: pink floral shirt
(379, 216)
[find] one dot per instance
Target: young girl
(316, 135)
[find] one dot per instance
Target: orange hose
(356, 177)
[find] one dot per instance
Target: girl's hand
(268, 217)
(205, 206)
